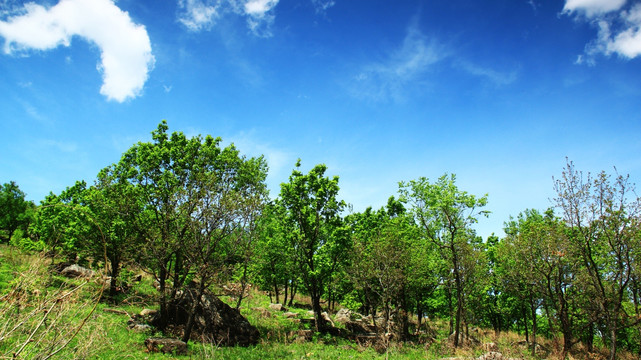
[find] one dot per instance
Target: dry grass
(41, 315)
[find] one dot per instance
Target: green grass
(27, 289)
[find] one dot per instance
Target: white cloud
(198, 15)
(619, 29)
(592, 7)
(627, 42)
(321, 6)
(125, 48)
(387, 79)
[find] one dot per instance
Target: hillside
(45, 315)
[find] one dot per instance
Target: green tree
(63, 221)
(15, 211)
(197, 200)
(603, 215)
(445, 215)
(313, 211)
(113, 204)
(273, 264)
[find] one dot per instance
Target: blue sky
(499, 92)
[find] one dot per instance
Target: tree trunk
(589, 338)
(319, 322)
(613, 342)
(285, 293)
(243, 286)
(459, 299)
(192, 312)
(115, 271)
(164, 312)
(292, 294)
(276, 293)
(524, 313)
(533, 309)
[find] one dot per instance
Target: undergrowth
(43, 315)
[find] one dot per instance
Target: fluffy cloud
(593, 7)
(125, 48)
(619, 28)
(199, 15)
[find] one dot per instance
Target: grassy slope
(29, 294)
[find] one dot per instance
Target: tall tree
(313, 209)
(113, 204)
(191, 192)
(14, 209)
(603, 214)
(445, 215)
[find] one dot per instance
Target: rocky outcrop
(214, 320)
(343, 316)
(75, 270)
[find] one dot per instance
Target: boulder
(301, 336)
(343, 316)
(166, 346)
(327, 319)
(75, 270)
(148, 313)
(290, 315)
(359, 327)
(277, 307)
(214, 320)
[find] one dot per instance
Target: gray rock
(277, 307)
(343, 316)
(75, 270)
(214, 320)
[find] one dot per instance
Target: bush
(25, 242)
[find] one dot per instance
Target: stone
(148, 313)
(301, 336)
(492, 355)
(277, 307)
(214, 321)
(359, 327)
(343, 316)
(327, 319)
(290, 315)
(75, 270)
(166, 346)
(140, 327)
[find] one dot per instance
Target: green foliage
(313, 215)
(15, 212)
(445, 214)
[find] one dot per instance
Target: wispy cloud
(199, 15)
(619, 27)
(125, 48)
(321, 6)
(65, 147)
(387, 79)
(497, 77)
